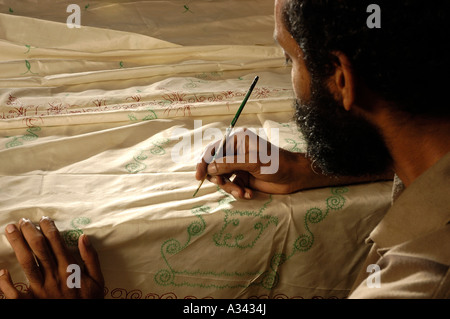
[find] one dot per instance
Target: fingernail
(45, 217)
(247, 195)
(214, 180)
(10, 228)
(235, 194)
(23, 221)
(2, 272)
(212, 168)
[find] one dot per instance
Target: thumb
(7, 286)
(90, 258)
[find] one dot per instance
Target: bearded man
(371, 104)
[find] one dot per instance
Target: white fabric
(88, 123)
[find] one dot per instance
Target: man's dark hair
(406, 61)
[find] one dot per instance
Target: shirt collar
(422, 207)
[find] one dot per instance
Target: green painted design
(313, 215)
(151, 115)
(229, 237)
(18, 140)
(71, 236)
(132, 117)
(295, 148)
(304, 242)
(173, 246)
(28, 66)
(187, 9)
(227, 198)
(137, 165)
(192, 84)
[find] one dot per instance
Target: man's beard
(338, 142)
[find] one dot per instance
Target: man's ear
(344, 80)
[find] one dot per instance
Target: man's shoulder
(419, 268)
(433, 246)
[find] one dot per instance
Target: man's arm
(295, 171)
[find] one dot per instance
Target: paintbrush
(233, 123)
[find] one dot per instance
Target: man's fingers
(206, 158)
(200, 170)
(7, 286)
(230, 165)
(56, 242)
(39, 246)
(239, 156)
(240, 147)
(236, 187)
(242, 181)
(24, 255)
(90, 258)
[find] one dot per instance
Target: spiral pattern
(314, 215)
(135, 167)
(169, 295)
(335, 202)
(14, 143)
(196, 228)
(270, 279)
(258, 226)
(121, 293)
(71, 237)
(303, 243)
(172, 246)
(157, 150)
(164, 277)
(141, 157)
(134, 294)
(118, 293)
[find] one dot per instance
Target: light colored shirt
(410, 253)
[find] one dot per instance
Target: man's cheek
(300, 83)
